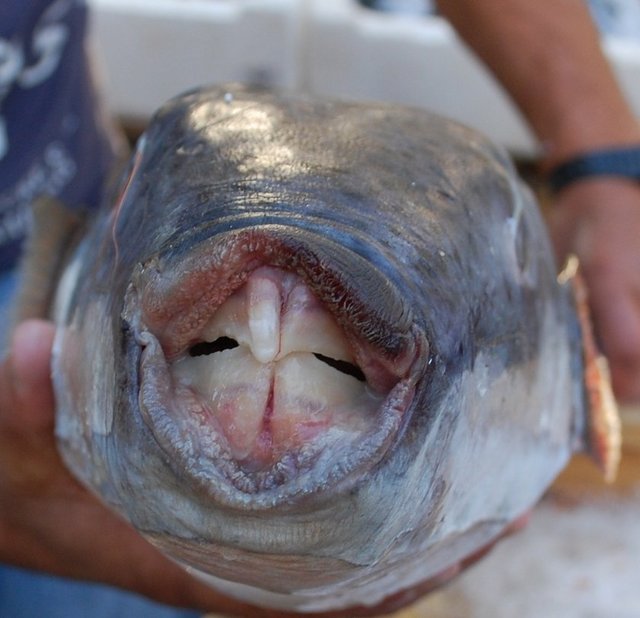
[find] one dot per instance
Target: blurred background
(389, 50)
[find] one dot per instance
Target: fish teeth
(276, 314)
(265, 306)
(308, 327)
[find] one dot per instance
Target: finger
(26, 395)
(617, 321)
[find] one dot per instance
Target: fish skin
(449, 276)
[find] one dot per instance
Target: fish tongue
(261, 377)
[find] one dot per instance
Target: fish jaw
(254, 380)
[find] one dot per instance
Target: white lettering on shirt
(47, 44)
(50, 172)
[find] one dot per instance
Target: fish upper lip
(166, 320)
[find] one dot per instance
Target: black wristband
(623, 162)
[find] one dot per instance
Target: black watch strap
(623, 162)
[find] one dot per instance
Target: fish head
(267, 353)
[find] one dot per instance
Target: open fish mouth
(263, 374)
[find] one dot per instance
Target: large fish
(318, 352)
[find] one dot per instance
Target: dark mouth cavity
(211, 347)
(227, 343)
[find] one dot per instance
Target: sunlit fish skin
(316, 351)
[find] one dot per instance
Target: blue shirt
(54, 139)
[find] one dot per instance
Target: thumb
(26, 394)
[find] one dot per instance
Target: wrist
(601, 123)
(621, 162)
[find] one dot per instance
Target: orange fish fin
(603, 433)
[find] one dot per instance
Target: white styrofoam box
(355, 52)
(624, 55)
(152, 50)
(359, 53)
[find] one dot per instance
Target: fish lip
(215, 473)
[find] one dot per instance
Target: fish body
(316, 351)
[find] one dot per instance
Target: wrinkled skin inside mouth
(274, 371)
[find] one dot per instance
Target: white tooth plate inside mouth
(269, 386)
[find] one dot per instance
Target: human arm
(548, 57)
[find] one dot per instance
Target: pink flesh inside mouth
(273, 372)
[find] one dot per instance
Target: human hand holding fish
(599, 221)
(463, 396)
